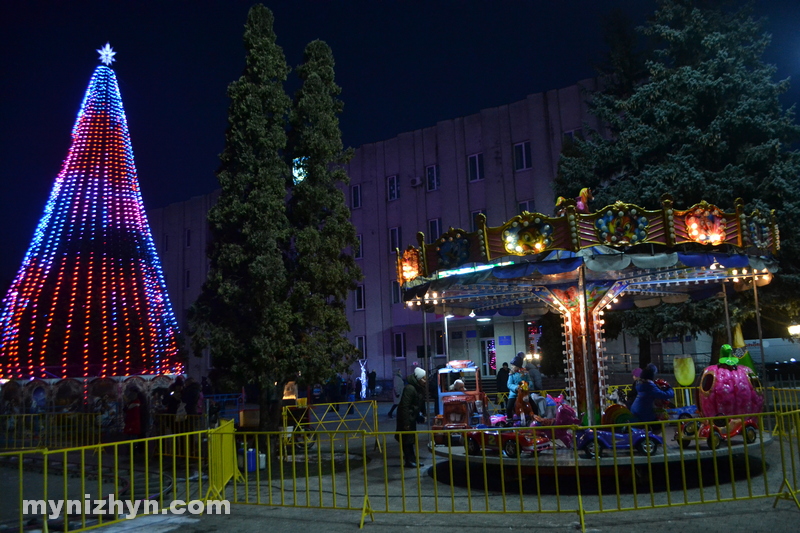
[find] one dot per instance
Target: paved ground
(754, 517)
(734, 517)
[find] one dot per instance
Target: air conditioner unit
(416, 182)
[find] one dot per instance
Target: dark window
(522, 156)
(355, 197)
(392, 188)
(360, 298)
(434, 229)
(432, 177)
(475, 167)
(475, 218)
(395, 239)
(529, 206)
(399, 345)
(361, 344)
(397, 296)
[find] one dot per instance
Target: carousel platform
(561, 460)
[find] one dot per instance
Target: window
(571, 135)
(529, 206)
(355, 197)
(434, 229)
(361, 344)
(392, 188)
(522, 155)
(166, 242)
(397, 296)
(358, 252)
(475, 218)
(359, 298)
(395, 239)
(187, 280)
(432, 177)
(475, 167)
(399, 345)
(188, 238)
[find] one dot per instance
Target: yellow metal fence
(472, 472)
(137, 473)
(48, 430)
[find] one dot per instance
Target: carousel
(580, 264)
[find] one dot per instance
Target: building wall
(181, 235)
(540, 119)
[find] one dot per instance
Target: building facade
(498, 162)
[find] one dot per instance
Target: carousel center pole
(587, 363)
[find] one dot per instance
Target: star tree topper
(107, 54)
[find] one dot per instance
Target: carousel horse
(581, 202)
(523, 410)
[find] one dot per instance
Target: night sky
(401, 65)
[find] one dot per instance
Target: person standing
(517, 376)
(535, 375)
(502, 382)
(371, 379)
(399, 383)
(411, 410)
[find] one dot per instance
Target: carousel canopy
(532, 260)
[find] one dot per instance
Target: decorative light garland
(90, 297)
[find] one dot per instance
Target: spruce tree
(243, 315)
(705, 123)
(323, 269)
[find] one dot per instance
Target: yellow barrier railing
(546, 469)
(165, 424)
(48, 430)
(222, 459)
(344, 416)
(137, 474)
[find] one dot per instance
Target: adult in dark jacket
(410, 411)
(647, 392)
(502, 378)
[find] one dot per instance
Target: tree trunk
(269, 417)
(718, 338)
(644, 351)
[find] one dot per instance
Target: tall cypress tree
(705, 123)
(323, 270)
(243, 315)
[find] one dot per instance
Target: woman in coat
(411, 410)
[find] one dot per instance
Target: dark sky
(402, 65)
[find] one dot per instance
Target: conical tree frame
(90, 297)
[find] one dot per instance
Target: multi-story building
(499, 162)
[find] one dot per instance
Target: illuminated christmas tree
(90, 298)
